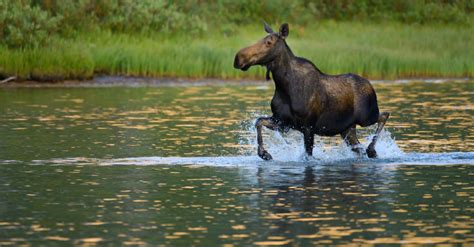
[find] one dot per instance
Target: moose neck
(282, 60)
(286, 67)
(281, 67)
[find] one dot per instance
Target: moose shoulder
(308, 100)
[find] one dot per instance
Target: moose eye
(269, 42)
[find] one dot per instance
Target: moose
(308, 100)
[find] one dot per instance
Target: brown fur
(305, 98)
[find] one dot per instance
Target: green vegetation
(57, 40)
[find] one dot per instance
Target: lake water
(178, 166)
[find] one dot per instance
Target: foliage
(387, 50)
(122, 15)
(151, 16)
(23, 25)
(29, 22)
(55, 39)
(406, 11)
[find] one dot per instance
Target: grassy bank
(375, 50)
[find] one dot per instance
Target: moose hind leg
(380, 124)
(350, 138)
(270, 123)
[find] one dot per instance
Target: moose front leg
(308, 137)
(270, 123)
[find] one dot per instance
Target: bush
(150, 16)
(22, 25)
(26, 23)
(125, 16)
(406, 11)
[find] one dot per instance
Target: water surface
(177, 165)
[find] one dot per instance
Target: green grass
(384, 50)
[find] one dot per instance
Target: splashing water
(197, 125)
(289, 146)
(286, 149)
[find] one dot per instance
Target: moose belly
(330, 124)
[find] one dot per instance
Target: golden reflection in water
(401, 205)
(176, 205)
(213, 120)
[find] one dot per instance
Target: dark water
(177, 166)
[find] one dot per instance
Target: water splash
(386, 145)
(289, 146)
(253, 161)
(288, 152)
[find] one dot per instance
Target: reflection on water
(285, 203)
(204, 121)
(143, 166)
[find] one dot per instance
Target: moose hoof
(371, 153)
(358, 150)
(262, 153)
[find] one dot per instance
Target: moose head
(264, 51)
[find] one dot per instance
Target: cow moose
(309, 100)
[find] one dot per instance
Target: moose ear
(284, 31)
(268, 29)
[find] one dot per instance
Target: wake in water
(454, 158)
(287, 150)
(289, 146)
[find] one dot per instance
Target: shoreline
(372, 50)
(128, 81)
